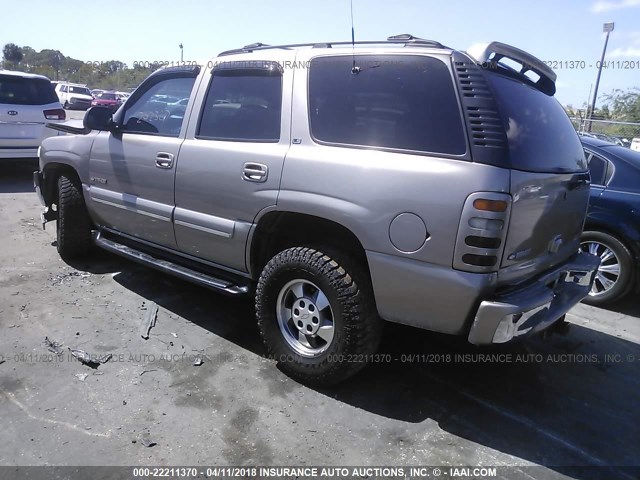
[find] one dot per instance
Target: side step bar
(169, 267)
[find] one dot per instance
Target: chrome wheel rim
(609, 270)
(305, 318)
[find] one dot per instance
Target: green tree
(12, 54)
(625, 104)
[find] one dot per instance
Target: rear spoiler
(68, 128)
(489, 55)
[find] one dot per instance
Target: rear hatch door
(23, 102)
(549, 179)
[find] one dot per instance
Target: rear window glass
(540, 135)
(399, 102)
(79, 90)
(26, 91)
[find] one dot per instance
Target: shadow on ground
(628, 305)
(16, 175)
(558, 402)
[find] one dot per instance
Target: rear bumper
(536, 306)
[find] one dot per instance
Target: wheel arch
(278, 230)
(619, 231)
(51, 172)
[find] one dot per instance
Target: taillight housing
(55, 114)
(482, 232)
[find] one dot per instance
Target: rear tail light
(482, 232)
(490, 205)
(55, 114)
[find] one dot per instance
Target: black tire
(624, 281)
(65, 105)
(73, 222)
(346, 285)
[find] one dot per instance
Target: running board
(169, 267)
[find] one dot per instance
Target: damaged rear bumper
(536, 306)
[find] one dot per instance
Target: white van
(74, 95)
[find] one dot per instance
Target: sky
(560, 31)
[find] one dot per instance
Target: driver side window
(160, 110)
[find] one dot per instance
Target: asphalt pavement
(536, 409)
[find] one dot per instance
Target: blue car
(612, 227)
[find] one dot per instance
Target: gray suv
(343, 186)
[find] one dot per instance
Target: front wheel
(73, 223)
(316, 315)
(614, 277)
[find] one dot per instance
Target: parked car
(635, 144)
(27, 102)
(405, 195)
(74, 96)
(612, 228)
(123, 96)
(108, 100)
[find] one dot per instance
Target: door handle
(164, 160)
(255, 172)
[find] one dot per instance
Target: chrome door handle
(255, 172)
(164, 160)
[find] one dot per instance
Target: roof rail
(403, 39)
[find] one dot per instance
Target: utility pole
(182, 51)
(608, 28)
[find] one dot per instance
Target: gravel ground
(559, 402)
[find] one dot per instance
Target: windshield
(107, 96)
(16, 90)
(80, 90)
(540, 135)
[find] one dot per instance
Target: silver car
(343, 186)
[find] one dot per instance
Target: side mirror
(98, 118)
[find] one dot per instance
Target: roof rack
(403, 39)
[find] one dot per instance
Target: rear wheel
(73, 222)
(316, 315)
(615, 274)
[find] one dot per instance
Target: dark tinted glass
(541, 137)
(79, 90)
(243, 105)
(26, 91)
(151, 113)
(598, 170)
(399, 102)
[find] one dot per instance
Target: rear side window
(597, 168)
(540, 135)
(16, 90)
(398, 102)
(243, 105)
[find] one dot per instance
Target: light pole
(182, 50)
(608, 28)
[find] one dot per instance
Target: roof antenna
(355, 70)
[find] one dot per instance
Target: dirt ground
(555, 403)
